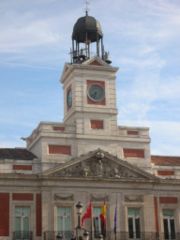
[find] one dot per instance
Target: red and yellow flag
(103, 219)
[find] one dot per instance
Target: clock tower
(89, 82)
(90, 112)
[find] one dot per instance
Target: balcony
(110, 235)
(22, 235)
(56, 235)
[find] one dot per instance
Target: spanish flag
(103, 219)
(87, 214)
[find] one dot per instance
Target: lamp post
(79, 208)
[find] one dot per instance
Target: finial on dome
(87, 7)
(87, 36)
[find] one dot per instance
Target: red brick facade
(60, 149)
(56, 128)
(156, 214)
(4, 214)
(165, 172)
(133, 153)
(38, 215)
(97, 124)
(22, 167)
(165, 160)
(168, 200)
(22, 196)
(132, 132)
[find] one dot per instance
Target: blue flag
(115, 219)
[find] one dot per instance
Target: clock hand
(95, 94)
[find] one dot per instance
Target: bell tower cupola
(87, 40)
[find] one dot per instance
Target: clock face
(69, 98)
(96, 93)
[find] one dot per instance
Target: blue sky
(143, 38)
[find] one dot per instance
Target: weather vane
(87, 6)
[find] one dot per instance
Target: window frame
(173, 207)
(139, 206)
(168, 218)
(63, 205)
(32, 222)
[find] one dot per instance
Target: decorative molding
(64, 197)
(133, 198)
(95, 62)
(99, 155)
(99, 197)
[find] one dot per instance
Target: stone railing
(133, 132)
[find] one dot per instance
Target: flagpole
(103, 220)
(92, 235)
(115, 220)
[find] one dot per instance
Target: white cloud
(31, 35)
(161, 7)
(28, 24)
(11, 142)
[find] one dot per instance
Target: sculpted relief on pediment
(100, 167)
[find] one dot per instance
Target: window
(22, 223)
(169, 224)
(97, 221)
(64, 221)
(134, 223)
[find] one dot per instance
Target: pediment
(98, 164)
(96, 61)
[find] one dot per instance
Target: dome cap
(87, 28)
